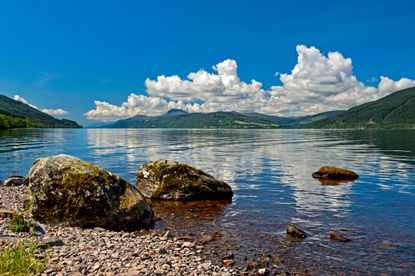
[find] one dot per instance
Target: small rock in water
(277, 258)
(206, 238)
(296, 232)
(334, 173)
(252, 265)
(266, 261)
(390, 244)
(263, 271)
(14, 180)
(171, 180)
(228, 255)
(339, 237)
(228, 262)
(217, 235)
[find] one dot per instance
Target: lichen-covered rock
(64, 189)
(171, 180)
(334, 173)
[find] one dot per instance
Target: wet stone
(14, 180)
(296, 232)
(339, 237)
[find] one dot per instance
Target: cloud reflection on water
(288, 157)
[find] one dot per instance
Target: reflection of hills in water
(399, 143)
(258, 159)
(252, 162)
(283, 157)
(270, 172)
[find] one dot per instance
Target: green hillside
(195, 120)
(304, 121)
(394, 111)
(15, 114)
(180, 119)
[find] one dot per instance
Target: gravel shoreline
(102, 252)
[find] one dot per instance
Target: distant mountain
(181, 119)
(394, 111)
(175, 112)
(96, 125)
(15, 114)
(275, 119)
(177, 118)
(306, 120)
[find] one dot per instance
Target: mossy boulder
(65, 189)
(171, 180)
(331, 173)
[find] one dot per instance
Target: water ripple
(270, 172)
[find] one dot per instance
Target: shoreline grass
(23, 258)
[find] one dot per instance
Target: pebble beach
(102, 252)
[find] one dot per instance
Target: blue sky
(67, 54)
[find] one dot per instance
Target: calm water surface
(270, 173)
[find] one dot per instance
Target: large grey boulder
(171, 180)
(65, 189)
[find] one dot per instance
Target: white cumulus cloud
(58, 111)
(386, 84)
(317, 83)
(138, 104)
(219, 91)
(20, 99)
(320, 83)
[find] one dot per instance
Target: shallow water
(270, 173)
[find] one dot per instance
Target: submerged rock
(389, 244)
(296, 232)
(228, 262)
(331, 173)
(64, 189)
(14, 180)
(170, 180)
(263, 271)
(339, 237)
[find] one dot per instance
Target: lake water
(270, 173)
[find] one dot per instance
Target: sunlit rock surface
(64, 189)
(171, 180)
